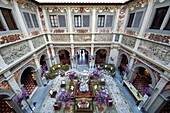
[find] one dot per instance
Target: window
(167, 27)
(53, 20)
(105, 21)
(101, 20)
(28, 19)
(159, 17)
(82, 20)
(86, 20)
(131, 17)
(7, 14)
(109, 20)
(34, 18)
(138, 19)
(77, 20)
(2, 26)
(57, 20)
(62, 20)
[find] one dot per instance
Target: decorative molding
(60, 38)
(58, 30)
(4, 85)
(81, 30)
(42, 19)
(129, 41)
(81, 9)
(107, 9)
(158, 37)
(11, 38)
(132, 32)
(24, 4)
(155, 51)
(82, 38)
(80, 45)
(104, 30)
(103, 38)
(6, 1)
(34, 33)
(38, 41)
(121, 18)
(139, 3)
(60, 9)
(14, 52)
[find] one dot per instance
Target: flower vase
(100, 108)
(67, 107)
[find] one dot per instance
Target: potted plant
(97, 74)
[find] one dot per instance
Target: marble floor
(123, 100)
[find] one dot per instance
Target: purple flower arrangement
(101, 97)
(112, 59)
(19, 98)
(127, 70)
(97, 74)
(72, 75)
(66, 97)
(43, 70)
(146, 90)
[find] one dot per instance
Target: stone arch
(84, 49)
(120, 57)
(166, 94)
(102, 48)
(63, 49)
(8, 93)
(22, 70)
(42, 55)
(46, 58)
(107, 53)
(146, 67)
(58, 58)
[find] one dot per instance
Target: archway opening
(123, 64)
(5, 107)
(64, 56)
(28, 80)
(101, 56)
(43, 63)
(142, 79)
(166, 107)
(82, 57)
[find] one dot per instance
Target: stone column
(15, 106)
(47, 62)
(39, 20)
(118, 61)
(49, 56)
(2, 64)
(37, 73)
(125, 20)
(93, 23)
(115, 24)
(46, 20)
(146, 20)
(157, 90)
(58, 58)
(69, 18)
(72, 50)
(137, 43)
(38, 78)
(132, 59)
(14, 86)
(20, 19)
(131, 75)
(53, 53)
(92, 49)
